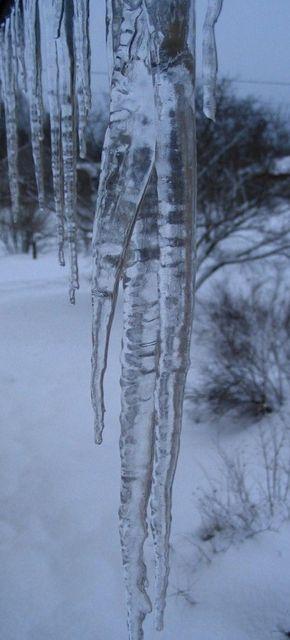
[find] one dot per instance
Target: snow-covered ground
(61, 574)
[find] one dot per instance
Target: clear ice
(209, 54)
(144, 230)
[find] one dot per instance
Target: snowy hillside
(61, 574)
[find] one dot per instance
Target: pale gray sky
(253, 42)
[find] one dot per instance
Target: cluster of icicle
(45, 44)
(144, 232)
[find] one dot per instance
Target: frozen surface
(61, 573)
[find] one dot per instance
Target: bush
(248, 354)
(248, 496)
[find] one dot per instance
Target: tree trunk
(34, 249)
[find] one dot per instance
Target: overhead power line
(278, 83)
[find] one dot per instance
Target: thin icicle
(139, 365)
(68, 138)
(13, 36)
(209, 55)
(82, 68)
(174, 75)
(20, 45)
(55, 132)
(114, 16)
(8, 83)
(127, 161)
(34, 86)
(109, 37)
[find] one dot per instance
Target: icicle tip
(61, 258)
(72, 296)
(159, 615)
(209, 104)
(98, 436)
(210, 60)
(99, 422)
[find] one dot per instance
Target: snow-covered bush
(251, 493)
(247, 339)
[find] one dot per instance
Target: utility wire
(278, 83)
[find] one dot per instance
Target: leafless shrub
(248, 498)
(248, 354)
(283, 632)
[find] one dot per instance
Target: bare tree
(243, 198)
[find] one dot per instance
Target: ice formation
(34, 85)
(209, 55)
(8, 75)
(144, 228)
(58, 32)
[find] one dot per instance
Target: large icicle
(209, 54)
(127, 161)
(34, 87)
(8, 85)
(68, 136)
(174, 75)
(139, 365)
